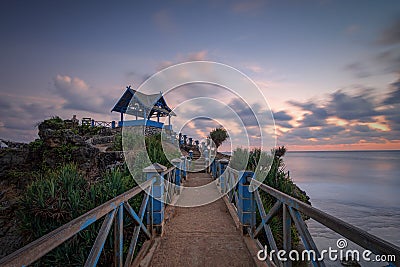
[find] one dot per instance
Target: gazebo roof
(136, 103)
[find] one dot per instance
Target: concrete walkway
(201, 236)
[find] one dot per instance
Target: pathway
(201, 236)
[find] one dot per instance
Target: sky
(330, 70)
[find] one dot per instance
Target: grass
(276, 177)
(62, 195)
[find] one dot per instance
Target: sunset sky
(330, 70)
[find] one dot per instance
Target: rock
(103, 140)
(3, 145)
(12, 158)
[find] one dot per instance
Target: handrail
(168, 170)
(355, 234)
(240, 195)
(38, 248)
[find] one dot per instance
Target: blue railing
(152, 209)
(247, 203)
(142, 123)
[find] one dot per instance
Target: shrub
(62, 195)
(218, 135)
(277, 177)
(54, 123)
(36, 146)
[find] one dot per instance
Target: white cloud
(79, 96)
(180, 58)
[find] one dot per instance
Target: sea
(359, 187)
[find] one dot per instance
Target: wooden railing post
(246, 204)
(156, 207)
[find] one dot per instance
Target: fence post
(185, 139)
(157, 195)
(177, 163)
(203, 146)
(183, 167)
(246, 203)
(223, 163)
(212, 168)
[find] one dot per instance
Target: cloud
(180, 58)
(190, 91)
(307, 133)
(339, 104)
(79, 96)
(205, 124)
(164, 21)
(248, 6)
(245, 112)
(362, 128)
(392, 107)
(282, 119)
(21, 114)
(352, 107)
(393, 97)
(316, 115)
(390, 59)
(391, 34)
(199, 55)
(359, 69)
(362, 118)
(255, 68)
(136, 77)
(282, 116)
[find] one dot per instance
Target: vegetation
(58, 195)
(154, 148)
(36, 146)
(54, 123)
(276, 177)
(218, 135)
(62, 195)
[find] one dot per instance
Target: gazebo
(144, 107)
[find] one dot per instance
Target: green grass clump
(276, 177)
(63, 195)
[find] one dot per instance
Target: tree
(218, 135)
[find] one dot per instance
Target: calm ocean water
(360, 187)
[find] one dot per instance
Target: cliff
(91, 149)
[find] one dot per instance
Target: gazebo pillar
(144, 116)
